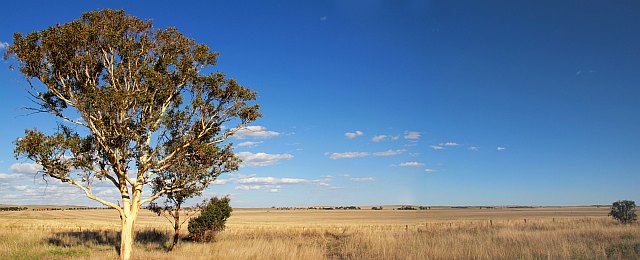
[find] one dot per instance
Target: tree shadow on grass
(90, 238)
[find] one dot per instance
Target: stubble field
(439, 233)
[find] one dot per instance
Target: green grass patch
(68, 252)
(623, 251)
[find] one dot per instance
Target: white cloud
(500, 148)
(352, 135)
(268, 188)
(412, 135)
(346, 155)
(429, 170)
(261, 159)
(4, 45)
(254, 131)
(249, 144)
(21, 187)
(363, 179)
(411, 164)
(449, 144)
(378, 138)
(272, 180)
(436, 147)
(474, 148)
(108, 192)
(222, 181)
(389, 152)
(5, 177)
(27, 168)
(249, 187)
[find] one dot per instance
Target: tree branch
(90, 195)
(157, 195)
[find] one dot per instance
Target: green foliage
(129, 97)
(134, 107)
(212, 219)
(623, 211)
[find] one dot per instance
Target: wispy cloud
(4, 45)
(352, 135)
(272, 180)
(26, 168)
(378, 138)
(7, 177)
(449, 144)
(412, 135)
(363, 179)
(261, 159)
(436, 147)
(222, 181)
(411, 164)
(268, 188)
(389, 152)
(273, 184)
(500, 148)
(474, 148)
(21, 187)
(249, 187)
(249, 144)
(324, 18)
(429, 170)
(348, 155)
(255, 131)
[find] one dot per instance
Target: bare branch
(90, 195)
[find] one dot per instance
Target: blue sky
(396, 102)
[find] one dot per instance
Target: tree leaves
(138, 98)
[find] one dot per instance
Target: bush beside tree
(213, 216)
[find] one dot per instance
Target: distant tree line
(78, 208)
(13, 208)
(413, 208)
(336, 208)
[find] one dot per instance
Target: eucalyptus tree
(131, 101)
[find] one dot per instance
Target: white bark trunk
(126, 237)
(129, 216)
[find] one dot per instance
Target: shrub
(212, 219)
(623, 211)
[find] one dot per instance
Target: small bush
(212, 219)
(623, 211)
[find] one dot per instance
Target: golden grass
(442, 233)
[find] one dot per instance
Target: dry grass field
(439, 233)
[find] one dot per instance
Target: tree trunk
(126, 237)
(176, 230)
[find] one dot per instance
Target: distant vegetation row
(12, 208)
(350, 208)
(79, 208)
(46, 209)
